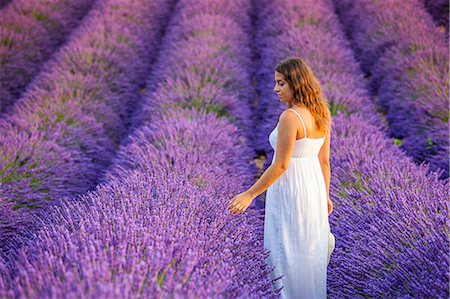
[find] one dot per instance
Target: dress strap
(304, 127)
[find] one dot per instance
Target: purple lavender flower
(30, 33)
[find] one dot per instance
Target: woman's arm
(287, 133)
(285, 145)
(272, 173)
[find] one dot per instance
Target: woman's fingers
(330, 207)
(230, 204)
(235, 207)
(232, 207)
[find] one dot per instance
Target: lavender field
(126, 127)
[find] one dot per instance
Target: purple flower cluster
(30, 31)
(180, 139)
(62, 134)
(407, 57)
(390, 215)
(158, 226)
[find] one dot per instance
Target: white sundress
(296, 227)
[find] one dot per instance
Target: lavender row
(408, 62)
(214, 77)
(30, 32)
(62, 134)
(159, 223)
(389, 215)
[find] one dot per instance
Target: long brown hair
(307, 90)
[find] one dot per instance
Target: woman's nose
(275, 89)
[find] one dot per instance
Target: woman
(296, 228)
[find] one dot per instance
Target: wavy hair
(307, 90)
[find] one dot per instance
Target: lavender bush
(30, 32)
(184, 144)
(389, 214)
(74, 115)
(407, 58)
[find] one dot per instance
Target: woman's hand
(330, 207)
(240, 203)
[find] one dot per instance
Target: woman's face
(283, 89)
